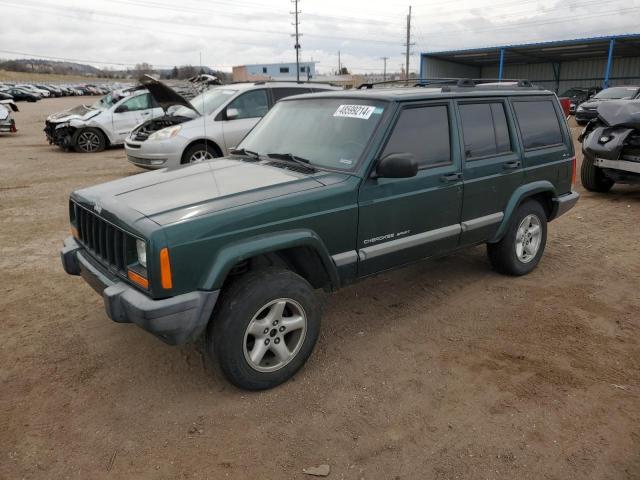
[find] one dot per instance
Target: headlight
(141, 247)
(165, 133)
(580, 109)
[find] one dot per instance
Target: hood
(165, 96)
(172, 195)
(10, 104)
(620, 113)
(82, 112)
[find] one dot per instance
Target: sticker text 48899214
(355, 111)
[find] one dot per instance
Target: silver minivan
(209, 125)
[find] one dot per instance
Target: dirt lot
(442, 370)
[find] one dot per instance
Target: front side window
(252, 104)
(538, 123)
(424, 132)
(484, 129)
(139, 102)
(328, 132)
(279, 93)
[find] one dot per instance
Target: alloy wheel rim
(275, 335)
(200, 156)
(88, 142)
(528, 238)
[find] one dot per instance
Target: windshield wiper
(290, 157)
(245, 153)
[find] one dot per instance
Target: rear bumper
(175, 320)
(563, 203)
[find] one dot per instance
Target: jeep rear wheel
(264, 328)
(89, 140)
(592, 177)
(521, 248)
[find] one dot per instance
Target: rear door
(406, 219)
(251, 107)
(492, 166)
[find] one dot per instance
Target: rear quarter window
(538, 122)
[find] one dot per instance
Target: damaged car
(7, 123)
(208, 126)
(588, 110)
(611, 146)
(90, 129)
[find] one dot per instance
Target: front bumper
(563, 203)
(154, 154)
(8, 126)
(175, 320)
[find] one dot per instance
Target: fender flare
(519, 195)
(236, 252)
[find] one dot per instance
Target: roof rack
(262, 82)
(456, 82)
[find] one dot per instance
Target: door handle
(511, 165)
(145, 113)
(452, 177)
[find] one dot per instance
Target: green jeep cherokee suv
(328, 189)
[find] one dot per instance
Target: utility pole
(296, 12)
(339, 64)
(408, 46)
(384, 71)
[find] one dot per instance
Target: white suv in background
(207, 127)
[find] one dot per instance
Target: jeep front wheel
(521, 248)
(89, 140)
(592, 177)
(264, 328)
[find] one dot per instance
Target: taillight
(573, 172)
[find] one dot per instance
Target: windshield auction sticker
(355, 111)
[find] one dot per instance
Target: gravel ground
(441, 370)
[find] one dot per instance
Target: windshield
(618, 93)
(207, 102)
(328, 132)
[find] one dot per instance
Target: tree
(174, 72)
(142, 69)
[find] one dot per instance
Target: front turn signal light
(165, 269)
(139, 279)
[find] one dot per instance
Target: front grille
(109, 244)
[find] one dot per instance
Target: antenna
(296, 12)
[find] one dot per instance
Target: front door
(130, 113)
(248, 109)
(406, 219)
(492, 166)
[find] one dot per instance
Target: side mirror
(232, 113)
(397, 165)
(121, 109)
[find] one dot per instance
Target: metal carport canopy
(554, 52)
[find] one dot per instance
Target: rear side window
(282, 92)
(139, 102)
(424, 132)
(538, 123)
(485, 130)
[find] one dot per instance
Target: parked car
(107, 123)
(19, 94)
(34, 90)
(7, 123)
(577, 95)
(329, 188)
(589, 110)
(611, 146)
(208, 126)
(5, 96)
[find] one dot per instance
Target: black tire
(228, 339)
(592, 177)
(582, 123)
(199, 148)
(503, 255)
(89, 140)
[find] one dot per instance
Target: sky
(224, 33)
